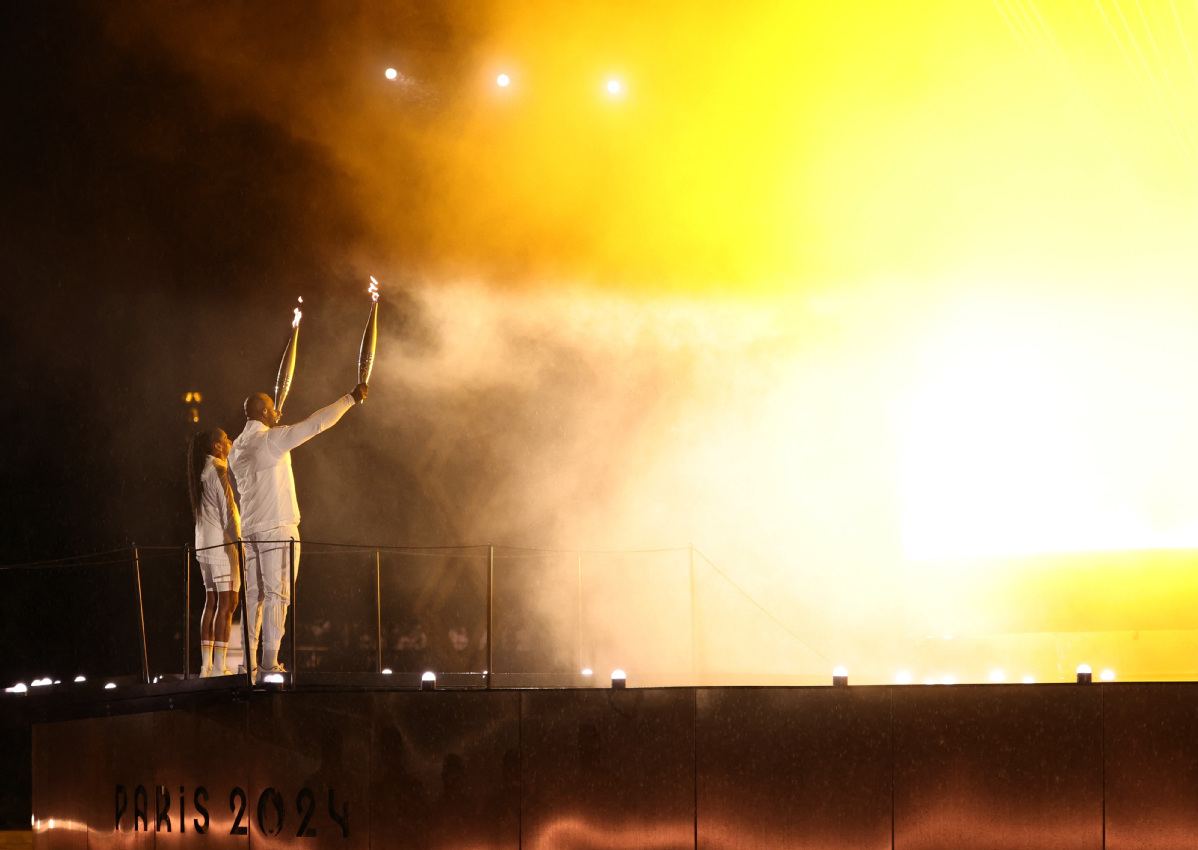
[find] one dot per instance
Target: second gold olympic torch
(287, 364)
(369, 336)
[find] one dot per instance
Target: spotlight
(840, 677)
(81, 678)
(37, 683)
(110, 686)
(274, 679)
(428, 682)
(386, 671)
(929, 681)
(949, 679)
(1084, 674)
(613, 87)
(1107, 675)
(586, 671)
(18, 688)
(902, 677)
(618, 679)
(997, 676)
(503, 80)
(391, 73)
(1029, 680)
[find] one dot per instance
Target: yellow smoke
(934, 261)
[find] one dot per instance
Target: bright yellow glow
(1042, 427)
(997, 676)
(503, 80)
(1028, 680)
(613, 87)
(902, 677)
(1107, 675)
(940, 256)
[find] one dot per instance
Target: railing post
(581, 661)
(246, 661)
(141, 618)
(187, 617)
(378, 609)
(490, 616)
(694, 623)
(294, 641)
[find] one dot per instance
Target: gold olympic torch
(287, 364)
(370, 335)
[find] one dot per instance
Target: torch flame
(298, 315)
(374, 289)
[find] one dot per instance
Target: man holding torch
(260, 463)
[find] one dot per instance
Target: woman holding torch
(218, 527)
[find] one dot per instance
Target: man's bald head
(261, 408)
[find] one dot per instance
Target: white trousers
(267, 590)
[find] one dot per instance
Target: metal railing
(491, 614)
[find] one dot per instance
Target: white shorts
(219, 569)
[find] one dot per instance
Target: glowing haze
(848, 286)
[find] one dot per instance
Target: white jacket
(217, 521)
(260, 463)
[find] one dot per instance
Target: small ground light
(1029, 680)
(110, 686)
(390, 73)
(18, 688)
(840, 677)
(902, 677)
(997, 676)
(949, 680)
(81, 678)
(428, 682)
(503, 80)
(618, 679)
(1084, 674)
(587, 671)
(1107, 675)
(386, 671)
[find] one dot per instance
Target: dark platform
(967, 766)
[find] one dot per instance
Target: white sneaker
(205, 672)
(253, 672)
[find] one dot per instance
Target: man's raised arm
(287, 437)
